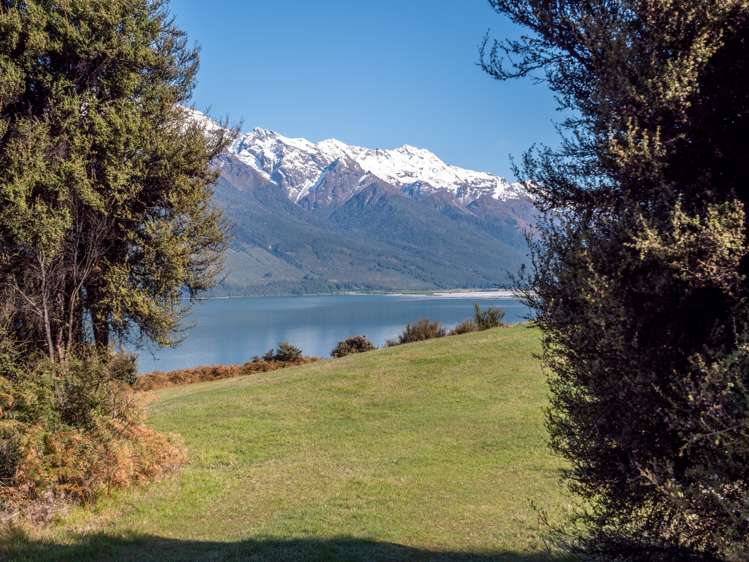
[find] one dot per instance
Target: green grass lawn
(429, 451)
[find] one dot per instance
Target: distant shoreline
(463, 294)
(446, 294)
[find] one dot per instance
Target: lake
(234, 330)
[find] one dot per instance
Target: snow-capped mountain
(327, 216)
(409, 166)
(296, 164)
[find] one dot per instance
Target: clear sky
(377, 73)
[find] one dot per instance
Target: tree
(105, 181)
(639, 279)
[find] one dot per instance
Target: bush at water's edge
(285, 356)
(72, 432)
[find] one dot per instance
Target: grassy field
(429, 451)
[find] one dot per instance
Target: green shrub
(422, 330)
(123, 367)
(465, 327)
(287, 353)
(482, 320)
(10, 356)
(486, 319)
(354, 344)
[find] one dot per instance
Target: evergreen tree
(640, 267)
(105, 183)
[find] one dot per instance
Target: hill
(429, 451)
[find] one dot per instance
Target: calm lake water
(234, 330)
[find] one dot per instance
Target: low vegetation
(71, 432)
(487, 319)
(285, 355)
(492, 317)
(465, 327)
(422, 330)
(354, 344)
(431, 451)
(425, 329)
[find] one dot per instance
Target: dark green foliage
(285, 353)
(465, 327)
(486, 319)
(82, 389)
(106, 223)
(482, 320)
(424, 329)
(123, 367)
(11, 356)
(640, 268)
(105, 183)
(354, 344)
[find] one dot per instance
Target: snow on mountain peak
(296, 164)
(409, 165)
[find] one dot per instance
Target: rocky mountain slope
(318, 217)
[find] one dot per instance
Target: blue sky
(374, 73)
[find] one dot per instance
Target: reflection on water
(234, 330)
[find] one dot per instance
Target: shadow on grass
(145, 547)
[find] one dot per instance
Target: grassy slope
(425, 451)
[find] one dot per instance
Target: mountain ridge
(325, 217)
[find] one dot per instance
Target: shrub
(486, 319)
(72, 432)
(160, 379)
(465, 327)
(123, 367)
(354, 344)
(287, 353)
(286, 356)
(422, 330)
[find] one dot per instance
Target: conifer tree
(640, 267)
(105, 182)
